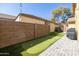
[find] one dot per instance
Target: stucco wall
(6, 19)
(77, 20)
(71, 26)
(36, 21)
(31, 20)
(52, 27)
(18, 19)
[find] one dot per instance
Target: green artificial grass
(38, 48)
(33, 47)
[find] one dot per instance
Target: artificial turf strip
(40, 47)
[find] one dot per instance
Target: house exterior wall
(77, 20)
(71, 25)
(52, 27)
(26, 19)
(6, 19)
(18, 18)
(31, 20)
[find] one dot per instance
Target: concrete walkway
(63, 47)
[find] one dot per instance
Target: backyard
(32, 47)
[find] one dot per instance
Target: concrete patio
(63, 47)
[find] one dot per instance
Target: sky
(43, 10)
(9, 8)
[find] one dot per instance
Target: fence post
(48, 29)
(34, 31)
